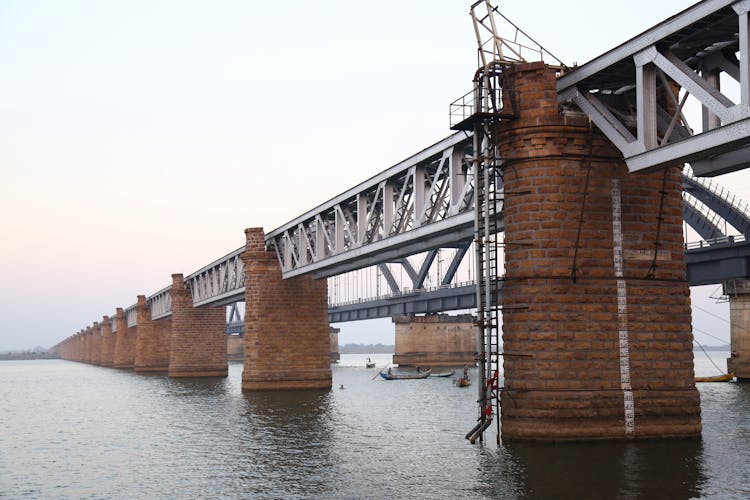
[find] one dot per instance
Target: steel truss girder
(711, 264)
(131, 316)
(160, 303)
(698, 220)
(618, 90)
(219, 283)
(720, 203)
(222, 281)
(424, 200)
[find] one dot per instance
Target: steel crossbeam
(619, 89)
(420, 203)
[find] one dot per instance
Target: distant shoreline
(27, 356)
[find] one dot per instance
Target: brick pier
(108, 343)
(151, 341)
(738, 292)
(96, 344)
(596, 304)
(438, 340)
(287, 337)
(124, 342)
(199, 336)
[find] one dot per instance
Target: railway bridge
(564, 187)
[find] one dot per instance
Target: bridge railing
(726, 240)
(721, 192)
(477, 101)
(405, 293)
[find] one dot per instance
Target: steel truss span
(708, 209)
(630, 91)
(423, 202)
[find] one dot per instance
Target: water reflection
(287, 439)
(669, 469)
(77, 431)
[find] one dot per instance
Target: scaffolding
(480, 111)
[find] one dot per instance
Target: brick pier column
(108, 343)
(124, 342)
(199, 336)
(437, 340)
(81, 346)
(287, 340)
(78, 349)
(596, 306)
(335, 355)
(151, 341)
(96, 344)
(88, 335)
(739, 330)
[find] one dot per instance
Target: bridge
(587, 219)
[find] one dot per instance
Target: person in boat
(466, 371)
(389, 372)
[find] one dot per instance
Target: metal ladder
(488, 205)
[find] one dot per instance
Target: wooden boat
(443, 374)
(369, 364)
(405, 376)
(724, 377)
(463, 382)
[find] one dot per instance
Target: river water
(70, 430)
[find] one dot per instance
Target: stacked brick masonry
(439, 340)
(152, 340)
(78, 350)
(235, 348)
(199, 338)
(108, 343)
(87, 347)
(287, 338)
(124, 342)
(335, 355)
(96, 344)
(561, 306)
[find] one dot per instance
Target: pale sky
(139, 138)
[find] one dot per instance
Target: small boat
(405, 376)
(443, 374)
(463, 382)
(724, 377)
(369, 364)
